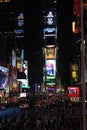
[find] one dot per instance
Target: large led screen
(50, 68)
(4, 75)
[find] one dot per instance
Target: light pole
(83, 69)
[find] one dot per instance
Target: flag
(77, 7)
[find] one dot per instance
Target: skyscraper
(10, 10)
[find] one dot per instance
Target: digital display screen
(19, 30)
(4, 74)
(50, 81)
(23, 83)
(22, 94)
(50, 68)
(50, 72)
(50, 52)
(73, 91)
(50, 31)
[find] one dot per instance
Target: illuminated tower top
(50, 26)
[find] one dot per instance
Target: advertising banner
(4, 76)
(50, 53)
(73, 91)
(50, 67)
(50, 72)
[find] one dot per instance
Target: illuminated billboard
(50, 18)
(14, 80)
(50, 72)
(18, 63)
(73, 91)
(50, 67)
(50, 52)
(4, 75)
(50, 81)
(22, 73)
(13, 58)
(19, 31)
(22, 94)
(50, 31)
(24, 83)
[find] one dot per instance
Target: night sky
(33, 36)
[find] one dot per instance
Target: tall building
(79, 32)
(12, 39)
(7, 26)
(64, 37)
(10, 10)
(50, 47)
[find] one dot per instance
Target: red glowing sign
(73, 91)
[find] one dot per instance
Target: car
(25, 105)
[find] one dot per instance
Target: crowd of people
(46, 117)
